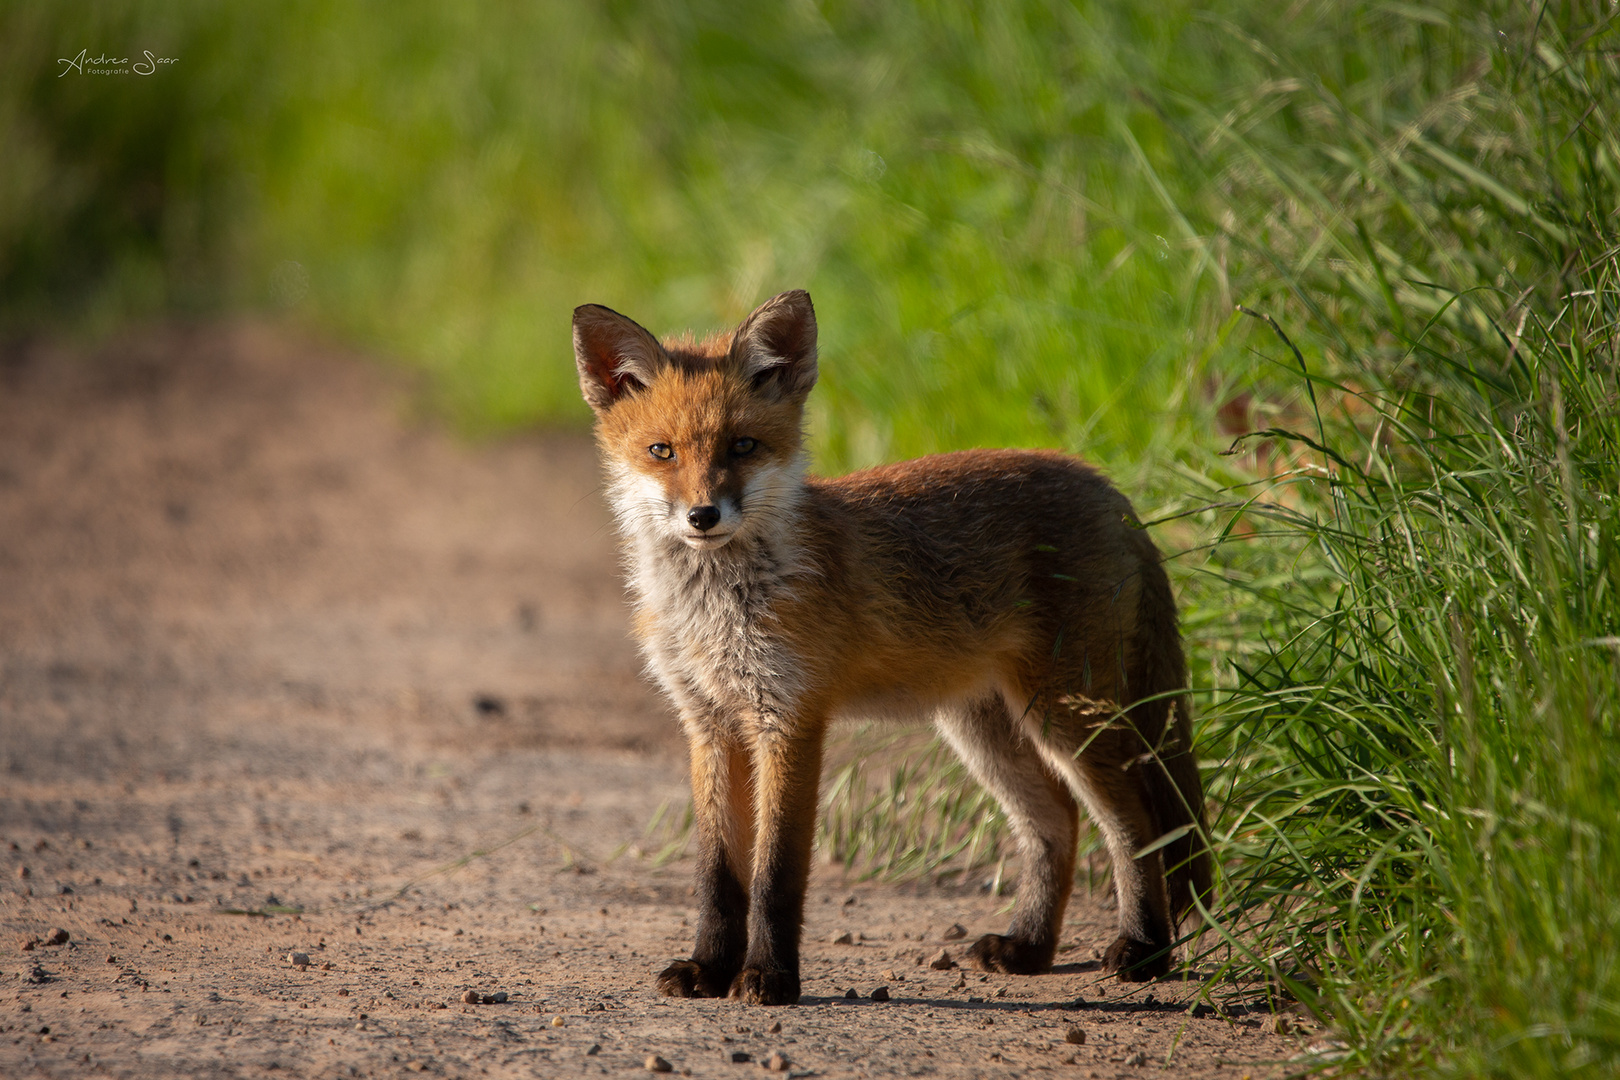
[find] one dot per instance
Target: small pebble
(776, 1062)
(740, 1056)
(880, 994)
(776, 1028)
(654, 1063)
(850, 994)
(57, 936)
(1281, 1024)
(846, 938)
(557, 1021)
(471, 997)
(596, 1048)
(942, 961)
(956, 933)
(1137, 1058)
(28, 944)
(497, 998)
(23, 871)
(298, 959)
(1076, 1036)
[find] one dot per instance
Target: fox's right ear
(775, 347)
(614, 355)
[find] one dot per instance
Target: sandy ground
(284, 671)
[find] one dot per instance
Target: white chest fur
(710, 628)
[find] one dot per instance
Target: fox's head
(702, 439)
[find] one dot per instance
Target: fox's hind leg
(1104, 762)
(722, 803)
(1045, 823)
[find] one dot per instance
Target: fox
(1009, 597)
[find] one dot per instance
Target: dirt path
(267, 647)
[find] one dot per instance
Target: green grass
(1419, 730)
(1026, 224)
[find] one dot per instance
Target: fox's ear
(775, 347)
(614, 355)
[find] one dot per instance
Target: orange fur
(1008, 595)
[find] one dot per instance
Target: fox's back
(964, 508)
(955, 567)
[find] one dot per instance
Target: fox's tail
(1176, 791)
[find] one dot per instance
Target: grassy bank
(1391, 492)
(1419, 715)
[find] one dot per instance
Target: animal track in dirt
(277, 663)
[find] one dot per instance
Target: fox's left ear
(775, 347)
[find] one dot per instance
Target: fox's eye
(661, 450)
(743, 446)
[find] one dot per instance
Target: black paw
(688, 978)
(1136, 961)
(758, 987)
(996, 952)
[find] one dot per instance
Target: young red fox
(1008, 595)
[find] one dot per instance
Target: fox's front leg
(722, 804)
(787, 771)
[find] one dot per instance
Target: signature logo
(104, 64)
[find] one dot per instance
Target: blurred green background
(989, 203)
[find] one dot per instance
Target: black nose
(703, 518)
